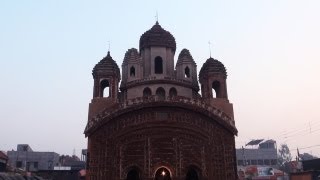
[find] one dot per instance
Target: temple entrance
(133, 175)
(192, 175)
(163, 174)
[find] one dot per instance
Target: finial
(209, 48)
(157, 23)
(108, 46)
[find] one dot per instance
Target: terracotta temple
(153, 123)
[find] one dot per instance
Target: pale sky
(271, 49)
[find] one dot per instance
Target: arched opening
(216, 89)
(147, 92)
(162, 174)
(105, 89)
(158, 66)
(133, 174)
(187, 72)
(132, 71)
(192, 174)
(161, 93)
(172, 92)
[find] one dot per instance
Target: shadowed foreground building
(156, 125)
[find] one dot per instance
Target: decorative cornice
(196, 105)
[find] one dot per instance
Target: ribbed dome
(157, 36)
(185, 57)
(212, 66)
(131, 55)
(107, 66)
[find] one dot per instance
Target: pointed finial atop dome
(209, 48)
(157, 20)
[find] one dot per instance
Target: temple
(152, 123)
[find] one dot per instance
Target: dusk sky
(271, 49)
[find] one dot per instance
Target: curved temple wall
(157, 126)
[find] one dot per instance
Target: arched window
(147, 92)
(187, 72)
(172, 92)
(133, 174)
(162, 174)
(105, 88)
(158, 66)
(161, 93)
(192, 174)
(216, 89)
(132, 71)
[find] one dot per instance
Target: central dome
(157, 36)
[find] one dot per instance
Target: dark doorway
(105, 89)
(172, 92)
(187, 72)
(192, 175)
(216, 89)
(158, 66)
(133, 175)
(161, 93)
(146, 92)
(163, 174)
(132, 71)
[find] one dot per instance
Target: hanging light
(163, 173)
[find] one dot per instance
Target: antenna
(209, 47)
(108, 46)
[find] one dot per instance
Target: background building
(258, 152)
(29, 160)
(158, 126)
(3, 161)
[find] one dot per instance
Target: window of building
(161, 93)
(273, 162)
(266, 162)
(254, 162)
(147, 92)
(215, 89)
(172, 92)
(240, 162)
(187, 72)
(260, 162)
(18, 164)
(132, 71)
(35, 165)
(105, 89)
(158, 65)
(50, 163)
(248, 162)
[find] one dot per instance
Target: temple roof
(131, 55)
(106, 66)
(185, 56)
(157, 36)
(212, 66)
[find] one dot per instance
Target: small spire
(108, 55)
(209, 48)
(157, 20)
(108, 46)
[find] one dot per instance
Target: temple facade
(152, 123)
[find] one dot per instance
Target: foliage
(307, 156)
(284, 157)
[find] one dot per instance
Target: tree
(307, 156)
(284, 157)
